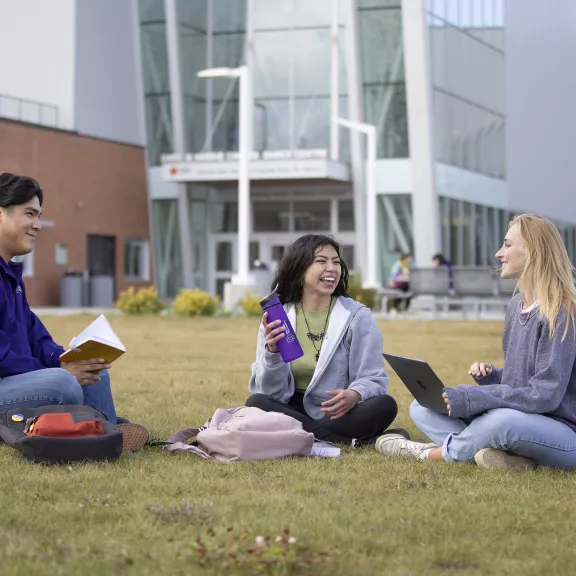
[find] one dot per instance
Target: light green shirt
(303, 368)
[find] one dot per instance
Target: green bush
(366, 296)
(251, 305)
(143, 301)
(195, 303)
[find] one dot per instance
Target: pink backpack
(245, 433)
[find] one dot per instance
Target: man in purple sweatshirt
(31, 373)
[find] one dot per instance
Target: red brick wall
(91, 186)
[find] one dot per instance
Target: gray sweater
(539, 374)
(350, 357)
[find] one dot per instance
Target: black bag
(61, 434)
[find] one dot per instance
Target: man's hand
(86, 371)
(343, 402)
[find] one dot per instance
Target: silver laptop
(421, 380)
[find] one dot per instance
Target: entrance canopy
(269, 165)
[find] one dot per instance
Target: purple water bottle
(289, 347)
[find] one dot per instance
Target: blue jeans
(547, 441)
(55, 386)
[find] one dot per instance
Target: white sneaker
(397, 445)
(493, 459)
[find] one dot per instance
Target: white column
(179, 135)
(372, 277)
(356, 114)
(335, 85)
(209, 81)
(417, 70)
(244, 150)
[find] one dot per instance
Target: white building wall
(107, 90)
(37, 56)
(541, 109)
(78, 55)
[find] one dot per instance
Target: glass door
(222, 261)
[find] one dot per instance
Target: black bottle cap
(269, 298)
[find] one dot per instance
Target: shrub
(251, 305)
(366, 296)
(195, 303)
(143, 301)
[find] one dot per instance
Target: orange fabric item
(63, 425)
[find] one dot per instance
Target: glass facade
(395, 232)
(468, 74)
(292, 70)
(156, 80)
(384, 86)
(167, 247)
(291, 55)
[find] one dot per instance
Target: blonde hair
(548, 274)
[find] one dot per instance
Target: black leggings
(365, 420)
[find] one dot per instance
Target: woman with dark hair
(338, 388)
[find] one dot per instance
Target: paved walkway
(415, 315)
(63, 311)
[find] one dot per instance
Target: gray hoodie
(351, 357)
(539, 374)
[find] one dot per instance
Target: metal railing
(24, 110)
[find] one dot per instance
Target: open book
(97, 341)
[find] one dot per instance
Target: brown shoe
(135, 436)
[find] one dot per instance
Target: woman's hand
(343, 402)
(480, 369)
(272, 332)
(446, 401)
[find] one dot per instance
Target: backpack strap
(179, 442)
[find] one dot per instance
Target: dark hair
(16, 189)
(405, 255)
(297, 260)
(441, 259)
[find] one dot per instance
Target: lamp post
(370, 274)
(242, 278)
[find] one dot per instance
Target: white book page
(99, 331)
(325, 449)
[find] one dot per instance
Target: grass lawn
(360, 514)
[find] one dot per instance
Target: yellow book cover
(97, 341)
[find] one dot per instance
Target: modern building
(463, 122)
(71, 116)
(470, 102)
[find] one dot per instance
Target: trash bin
(102, 291)
(72, 290)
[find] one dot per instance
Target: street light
(244, 149)
(370, 280)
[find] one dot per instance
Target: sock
(425, 453)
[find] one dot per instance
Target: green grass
(360, 514)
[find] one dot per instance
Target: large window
(471, 233)
(292, 67)
(271, 216)
(346, 215)
(167, 247)
(383, 71)
(136, 260)
(156, 81)
(27, 264)
(312, 216)
(468, 74)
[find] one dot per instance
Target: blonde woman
(524, 414)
